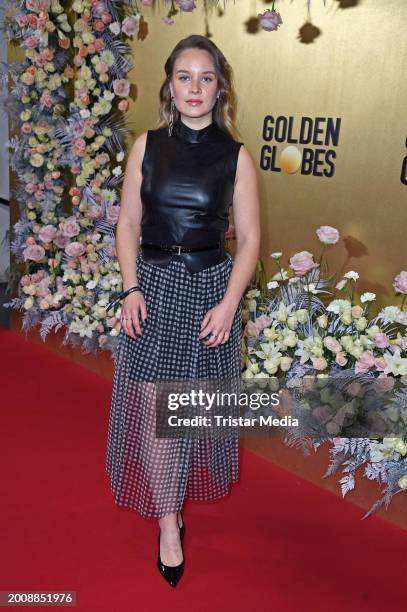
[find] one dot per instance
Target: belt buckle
(179, 247)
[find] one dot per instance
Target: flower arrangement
(293, 330)
(74, 146)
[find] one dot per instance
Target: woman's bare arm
(128, 238)
(246, 216)
(128, 225)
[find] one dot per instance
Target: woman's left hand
(217, 321)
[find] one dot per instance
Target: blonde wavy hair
(224, 111)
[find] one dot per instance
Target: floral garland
(291, 334)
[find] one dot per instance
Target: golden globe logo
(318, 137)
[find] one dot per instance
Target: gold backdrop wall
(352, 73)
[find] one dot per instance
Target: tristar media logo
(306, 145)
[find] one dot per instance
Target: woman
(182, 316)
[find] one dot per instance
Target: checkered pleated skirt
(155, 475)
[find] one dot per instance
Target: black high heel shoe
(172, 573)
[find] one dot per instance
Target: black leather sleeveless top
(186, 191)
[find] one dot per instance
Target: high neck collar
(182, 131)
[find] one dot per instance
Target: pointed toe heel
(171, 573)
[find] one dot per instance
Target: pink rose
(146, 2)
(31, 187)
(130, 25)
(35, 252)
(31, 42)
(319, 363)
(32, 5)
(186, 5)
(355, 389)
(44, 5)
(75, 249)
(112, 214)
(357, 311)
(341, 359)
(95, 212)
(98, 9)
(123, 106)
(121, 87)
(328, 234)
(261, 322)
(71, 228)
(269, 20)
(302, 263)
(22, 20)
(366, 361)
(380, 363)
(332, 344)
(384, 383)
(400, 282)
(381, 340)
(61, 241)
(47, 233)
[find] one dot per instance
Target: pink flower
(380, 363)
(70, 228)
(31, 187)
(332, 344)
(32, 5)
(400, 282)
(147, 2)
(95, 212)
(31, 42)
(381, 340)
(123, 105)
(302, 263)
(186, 5)
(168, 20)
(47, 233)
(366, 361)
(26, 128)
(357, 311)
(61, 241)
(328, 234)
(121, 87)
(319, 363)
(47, 100)
(112, 214)
(130, 25)
(270, 20)
(384, 383)
(341, 359)
(75, 249)
(35, 252)
(354, 389)
(98, 9)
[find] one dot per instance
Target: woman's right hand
(134, 311)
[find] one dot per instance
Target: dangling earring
(171, 122)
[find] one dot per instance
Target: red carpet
(278, 543)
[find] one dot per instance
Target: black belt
(178, 248)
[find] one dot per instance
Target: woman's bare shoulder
(137, 150)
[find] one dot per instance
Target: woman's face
(194, 78)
